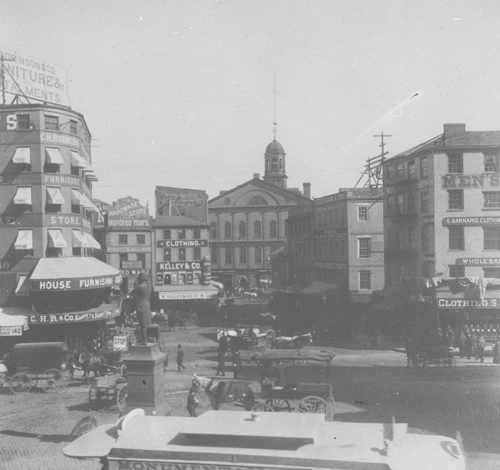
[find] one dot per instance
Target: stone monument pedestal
(145, 381)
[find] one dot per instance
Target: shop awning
(91, 241)
(53, 156)
(79, 241)
(78, 161)
(76, 197)
(23, 196)
(73, 273)
(54, 196)
(318, 287)
(22, 155)
(196, 292)
(24, 240)
(13, 321)
(217, 284)
(23, 287)
(87, 203)
(56, 239)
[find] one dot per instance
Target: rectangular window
(73, 127)
(491, 238)
(413, 238)
(167, 234)
(167, 254)
(491, 273)
(362, 213)
(123, 239)
(456, 163)
(401, 204)
(390, 171)
(412, 170)
(456, 235)
(52, 123)
(364, 247)
(141, 239)
(123, 257)
(424, 203)
(457, 271)
(390, 206)
(492, 200)
(181, 234)
(23, 122)
(412, 209)
(197, 253)
(424, 169)
(182, 254)
(142, 258)
(424, 238)
(400, 169)
(196, 233)
(456, 199)
(365, 280)
(491, 162)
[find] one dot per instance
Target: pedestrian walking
(224, 342)
(475, 339)
(462, 340)
(496, 351)
(236, 364)
(220, 363)
(468, 346)
(481, 346)
(180, 358)
(192, 402)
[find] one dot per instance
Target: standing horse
(220, 392)
(292, 342)
(91, 363)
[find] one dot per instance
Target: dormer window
(257, 201)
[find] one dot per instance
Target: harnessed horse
(91, 363)
(220, 392)
(292, 342)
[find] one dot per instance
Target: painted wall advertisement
(127, 212)
(35, 79)
(189, 203)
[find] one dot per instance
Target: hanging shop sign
(332, 198)
(471, 221)
(468, 303)
(181, 243)
(483, 180)
(478, 261)
(179, 266)
(120, 343)
(11, 330)
(73, 317)
(74, 283)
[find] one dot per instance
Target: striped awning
(53, 156)
(23, 196)
(22, 155)
(54, 196)
(24, 240)
(56, 239)
(77, 160)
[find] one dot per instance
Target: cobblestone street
(370, 386)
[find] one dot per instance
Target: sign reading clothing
(75, 283)
(464, 303)
(181, 243)
(73, 317)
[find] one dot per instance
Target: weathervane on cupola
(275, 156)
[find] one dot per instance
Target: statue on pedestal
(142, 293)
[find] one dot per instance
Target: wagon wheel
(20, 383)
(315, 404)
(121, 397)
(55, 381)
(95, 398)
(263, 407)
(277, 404)
(83, 426)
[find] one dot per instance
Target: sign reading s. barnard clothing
(471, 221)
(35, 78)
(181, 243)
(128, 213)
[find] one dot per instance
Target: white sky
(180, 93)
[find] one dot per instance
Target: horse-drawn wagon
(108, 390)
(41, 365)
(439, 356)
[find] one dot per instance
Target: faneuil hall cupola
(275, 172)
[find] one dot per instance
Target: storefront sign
(128, 249)
(35, 79)
(178, 266)
(73, 317)
(361, 298)
(484, 180)
(464, 303)
(471, 221)
(61, 180)
(74, 283)
(11, 330)
(135, 272)
(179, 465)
(336, 266)
(127, 212)
(56, 138)
(64, 220)
(478, 261)
(181, 243)
(332, 198)
(131, 264)
(415, 296)
(120, 343)
(189, 202)
(185, 295)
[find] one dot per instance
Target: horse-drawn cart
(439, 356)
(41, 365)
(108, 390)
(299, 380)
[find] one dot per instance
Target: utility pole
(382, 135)
(2, 74)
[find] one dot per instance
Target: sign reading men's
(35, 78)
(74, 283)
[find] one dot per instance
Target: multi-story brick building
(49, 279)
(247, 224)
(442, 225)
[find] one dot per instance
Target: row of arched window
(242, 230)
(242, 255)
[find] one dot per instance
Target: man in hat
(142, 293)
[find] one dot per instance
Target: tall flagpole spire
(274, 94)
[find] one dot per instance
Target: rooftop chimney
(307, 190)
(256, 176)
(451, 130)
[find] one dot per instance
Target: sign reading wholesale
(35, 78)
